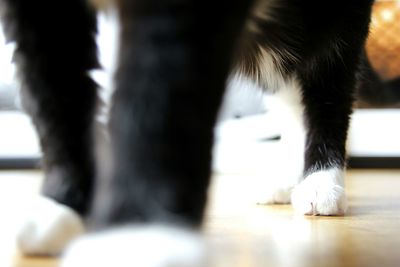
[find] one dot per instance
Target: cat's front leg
(54, 55)
(173, 63)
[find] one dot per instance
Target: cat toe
(144, 246)
(48, 228)
(321, 193)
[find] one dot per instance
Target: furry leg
(170, 81)
(54, 54)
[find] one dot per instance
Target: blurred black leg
(174, 60)
(55, 50)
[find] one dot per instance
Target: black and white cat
(174, 59)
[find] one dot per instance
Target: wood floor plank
(243, 234)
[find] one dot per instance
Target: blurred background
(247, 122)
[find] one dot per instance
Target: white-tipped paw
(275, 195)
(321, 193)
(48, 228)
(144, 246)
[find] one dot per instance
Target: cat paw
(144, 246)
(275, 195)
(48, 228)
(321, 193)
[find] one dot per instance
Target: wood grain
(242, 234)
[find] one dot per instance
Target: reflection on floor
(247, 235)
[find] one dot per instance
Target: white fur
(321, 193)
(270, 71)
(288, 168)
(141, 246)
(271, 193)
(48, 228)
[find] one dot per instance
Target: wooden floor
(247, 235)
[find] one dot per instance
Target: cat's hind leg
(328, 80)
(286, 171)
(55, 50)
(327, 101)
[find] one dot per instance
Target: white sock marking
(144, 246)
(321, 193)
(48, 228)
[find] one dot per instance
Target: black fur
(320, 43)
(175, 56)
(55, 50)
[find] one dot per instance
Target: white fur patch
(271, 76)
(274, 194)
(288, 167)
(321, 193)
(141, 246)
(48, 228)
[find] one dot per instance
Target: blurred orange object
(383, 45)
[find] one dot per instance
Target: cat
(174, 59)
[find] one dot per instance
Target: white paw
(275, 191)
(144, 246)
(48, 228)
(274, 194)
(321, 193)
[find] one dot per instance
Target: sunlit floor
(246, 235)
